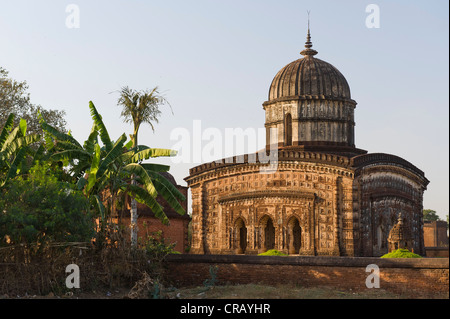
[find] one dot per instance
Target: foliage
(104, 173)
(14, 98)
(15, 148)
(430, 215)
(272, 252)
(36, 208)
(401, 253)
(156, 247)
(138, 108)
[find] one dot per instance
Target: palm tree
(139, 107)
(109, 169)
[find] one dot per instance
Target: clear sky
(215, 60)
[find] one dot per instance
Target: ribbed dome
(309, 76)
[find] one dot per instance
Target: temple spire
(308, 44)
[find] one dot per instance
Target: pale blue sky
(215, 60)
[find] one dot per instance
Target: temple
(326, 197)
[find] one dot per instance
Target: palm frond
(104, 135)
(10, 147)
(94, 168)
(112, 155)
(143, 197)
(138, 170)
(163, 180)
(14, 168)
(150, 153)
(168, 196)
(155, 167)
(74, 154)
(23, 127)
(92, 140)
(60, 136)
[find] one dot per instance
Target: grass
(401, 253)
(272, 252)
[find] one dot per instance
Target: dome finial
(308, 44)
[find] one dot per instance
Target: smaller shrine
(400, 237)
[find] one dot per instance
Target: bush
(401, 253)
(156, 246)
(38, 209)
(272, 252)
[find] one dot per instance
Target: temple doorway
(269, 235)
(241, 234)
(295, 235)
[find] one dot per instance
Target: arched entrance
(241, 236)
(269, 235)
(295, 236)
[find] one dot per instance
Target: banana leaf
(143, 197)
(139, 171)
(112, 154)
(59, 135)
(6, 129)
(104, 135)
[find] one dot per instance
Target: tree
(430, 215)
(139, 107)
(104, 172)
(14, 98)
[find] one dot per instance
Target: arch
(288, 130)
(267, 232)
(241, 236)
(294, 235)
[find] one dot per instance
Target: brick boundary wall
(415, 277)
(436, 252)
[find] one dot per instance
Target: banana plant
(104, 171)
(15, 149)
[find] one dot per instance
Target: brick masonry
(175, 233)
(419, 278)
(435, 234)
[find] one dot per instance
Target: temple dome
(309, 78)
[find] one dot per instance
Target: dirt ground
(250, 291)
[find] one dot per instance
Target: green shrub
(156, 246)
(37, 208)
(401, 253)
(272, 252)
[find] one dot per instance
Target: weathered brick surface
(175, 233)
(436, 252)
(418, 278)
(435, 234)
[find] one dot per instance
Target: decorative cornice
(309, 98)
(284, 155)
(267, 193)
